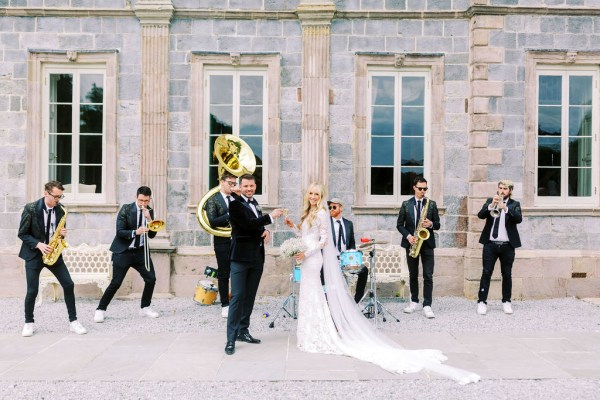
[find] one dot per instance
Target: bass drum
(206, 293)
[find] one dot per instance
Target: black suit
(406, 225)
(362, 276)
(217, 212)
(124, 256)
(31, 232)
(503, 250)
(247, 261)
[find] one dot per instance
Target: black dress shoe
(246, 337)
(230, 348)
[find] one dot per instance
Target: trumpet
(495, 212)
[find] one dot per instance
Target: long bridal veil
(360, 339)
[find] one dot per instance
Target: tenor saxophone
(57, 243)
(421, 233)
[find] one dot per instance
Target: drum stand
(374, 306)
(290, 305)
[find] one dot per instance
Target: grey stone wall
(544, 3)
(267, 5)
(402, 5)
(119, 4)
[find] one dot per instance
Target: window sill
(91, 208)
(560, 210)
(383, 209)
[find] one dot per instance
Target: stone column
(315, 17)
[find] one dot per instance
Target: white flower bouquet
(291, 247)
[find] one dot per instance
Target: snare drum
(351, 261)
(206, 293)
(297, 274)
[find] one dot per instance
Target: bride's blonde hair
(309, 213)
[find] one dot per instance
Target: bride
(335, 325)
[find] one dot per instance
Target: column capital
(154, 12)
(316, 12)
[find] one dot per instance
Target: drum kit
(290, 304)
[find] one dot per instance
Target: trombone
(155, 225)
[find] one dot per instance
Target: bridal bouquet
(291, 247)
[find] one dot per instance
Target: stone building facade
(359, 94)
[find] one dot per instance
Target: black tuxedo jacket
(246, 230)
(31, 228)
(127, 221)
(218, 214)
(406, 224)
(349, 229)
(512, 217)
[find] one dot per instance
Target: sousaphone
(236, 157)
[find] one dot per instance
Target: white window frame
(565, 72)
(74, 196)
(397, 197)
(236, 73)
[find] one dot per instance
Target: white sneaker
(99, 316)
(148, 312)
(225, 311)
(481, 308)
(428, 313)
(27, 329)
(76, 327)
(507, 307)
(411, 307)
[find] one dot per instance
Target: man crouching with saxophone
(41, 229)
(417, 220)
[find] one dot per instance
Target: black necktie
(496, 227)
(340, 236)
(138, 237)
(418, 212)
(48, 224)
(228, 200)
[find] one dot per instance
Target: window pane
(255, 143)
(220, 120)
(259, 178)
(548, 182)
(251, 120)
(580, 90)
(221, 89)
(251, 90)
(407, 177)
(61, 118)
(580, 121)
(549, 121)
(580, 152)
(90, 119)
(413, 91)
(61, 88)
(580, 182)
(382, 181)
(59, 149)
(413, 120)
(90, 176)
(213, 178)
(382, 151)
(61, 173)
(412, 152)
(90, 149)
(91, 88)
(550, 90)
(549, 151)
(382, 121)
(383, 89)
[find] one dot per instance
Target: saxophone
(421, 233)
(58, 243)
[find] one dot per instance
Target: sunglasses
(424, 189)
(333, 207)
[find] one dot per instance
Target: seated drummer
(343, 239)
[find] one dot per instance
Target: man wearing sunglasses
(217, 212)
(408, 220)
(38, 223)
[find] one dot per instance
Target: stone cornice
(154, 12)
(316, 13)
(63, 12)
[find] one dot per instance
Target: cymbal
(371, 243)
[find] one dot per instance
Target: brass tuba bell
(236, 157)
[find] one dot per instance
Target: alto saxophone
(421, 234)
(57, 243)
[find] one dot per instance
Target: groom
(248, 236)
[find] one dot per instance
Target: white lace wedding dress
(336, 326)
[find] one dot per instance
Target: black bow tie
(253, 201)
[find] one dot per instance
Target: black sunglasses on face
(333, 207)
(422, 188)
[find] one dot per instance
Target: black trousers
(121, 264)
(361, 283)
(245, 277)
(223, 254)
(427, 259)
(492, 251)
(33, 268)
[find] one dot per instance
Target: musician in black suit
(500, 238)
(408, 220)
(39, 221)
(217, 212)
(248, 237)
(342, 231)
(128, 251)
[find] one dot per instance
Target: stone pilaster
(315, 18)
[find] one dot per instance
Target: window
(566, 147)
(397, 129)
